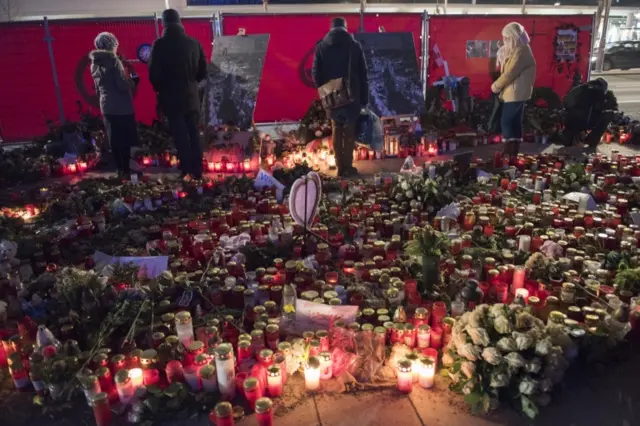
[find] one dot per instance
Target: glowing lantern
(82, 166)
(72, 168)
(331, 160)
(210, 166)
(432, 151)
(270, 160)
(146, 161)
(218, 166)
(174, 161)
(230, 167)
(247, 164)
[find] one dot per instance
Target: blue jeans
(511, 120)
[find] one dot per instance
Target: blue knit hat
(106, 41)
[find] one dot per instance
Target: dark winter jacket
(176, 66)
(113, 86)
(331, 61)
(585, 100)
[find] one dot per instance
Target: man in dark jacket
(585, 106)
(339, 55)
(176, 66)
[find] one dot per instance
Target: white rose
(468, 387)
(507, 344)
(468, 369)
(475, 319)
(455, 378)
(527, 386)
(534, 365)
(469, 352)
(502, 325)
(409, 194)
(447, 359)
(497, 310)
(543, 347)
(499, 380)
(492, 356)
(523, 341)
(404, 185)
(515, 360)
(479, 335)
(399, 197)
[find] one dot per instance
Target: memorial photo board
(234, 78)
(394, 75)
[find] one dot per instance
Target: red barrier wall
(286, 88)
(451, 33)
(27, 96)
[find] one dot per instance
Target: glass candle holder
(518, 278)
(101, 409)
(280, 361)
(222, 414)
(326, 366)
(405, 376)
(274, 381)
(184, 328)
(423, 336)
(252, 391)
(225, 369)
(209, 378)
(124, 386)
(264, 412)
(426, 372)
(312, 374)
(436, 337)
(174, 371)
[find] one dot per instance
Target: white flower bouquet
(502, 352)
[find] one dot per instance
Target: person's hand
(495, 89)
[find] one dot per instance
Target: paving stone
(380, 408)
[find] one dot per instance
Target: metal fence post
(155, 24)
(362, 9)
(425, 52)
(54, 73)
(220, 20)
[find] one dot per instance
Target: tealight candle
(405, 376)
(426, 372)
(312, 374)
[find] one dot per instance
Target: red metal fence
(28, 96)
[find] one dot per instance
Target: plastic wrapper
(342, 361)
(342, 338)
(370, 356)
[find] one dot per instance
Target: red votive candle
(264, 412)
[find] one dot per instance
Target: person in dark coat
(114, 89)
(176, 66)
(585, 106)
(339, 55)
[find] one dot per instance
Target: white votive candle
(426, 372)
(518, 278)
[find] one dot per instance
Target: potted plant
(427, 246)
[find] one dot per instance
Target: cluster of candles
(222, 165)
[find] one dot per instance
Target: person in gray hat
(176, 66)
(114, 89)
(586, 112)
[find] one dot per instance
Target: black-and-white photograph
(394, 75)
(234, 78)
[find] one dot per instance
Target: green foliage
(427, 242)
(628, 279)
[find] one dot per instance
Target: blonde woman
(515, 84)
